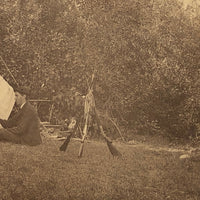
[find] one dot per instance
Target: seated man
(24, 127)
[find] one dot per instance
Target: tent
(7, 99)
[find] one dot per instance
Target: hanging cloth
(7, 99)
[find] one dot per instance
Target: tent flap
(7, 99)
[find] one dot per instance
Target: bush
(144, 55)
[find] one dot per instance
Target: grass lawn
(44, 172)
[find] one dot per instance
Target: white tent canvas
(7, 99)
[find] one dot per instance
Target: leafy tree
(144, 55)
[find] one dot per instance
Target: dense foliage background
(145, 55)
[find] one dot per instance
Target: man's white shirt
(22, 105)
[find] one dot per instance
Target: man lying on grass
(24, 126)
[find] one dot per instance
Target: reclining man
(24, 126)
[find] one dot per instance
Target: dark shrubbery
(144, 54)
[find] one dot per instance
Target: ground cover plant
(142, 173)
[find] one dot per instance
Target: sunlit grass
(44, 172)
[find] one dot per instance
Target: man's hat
(22, 90)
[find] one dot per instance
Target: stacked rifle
(90, 111)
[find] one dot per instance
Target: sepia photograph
(99, 99)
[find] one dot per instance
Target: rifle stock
(83, 139)
(64, 146)
(111, 148)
